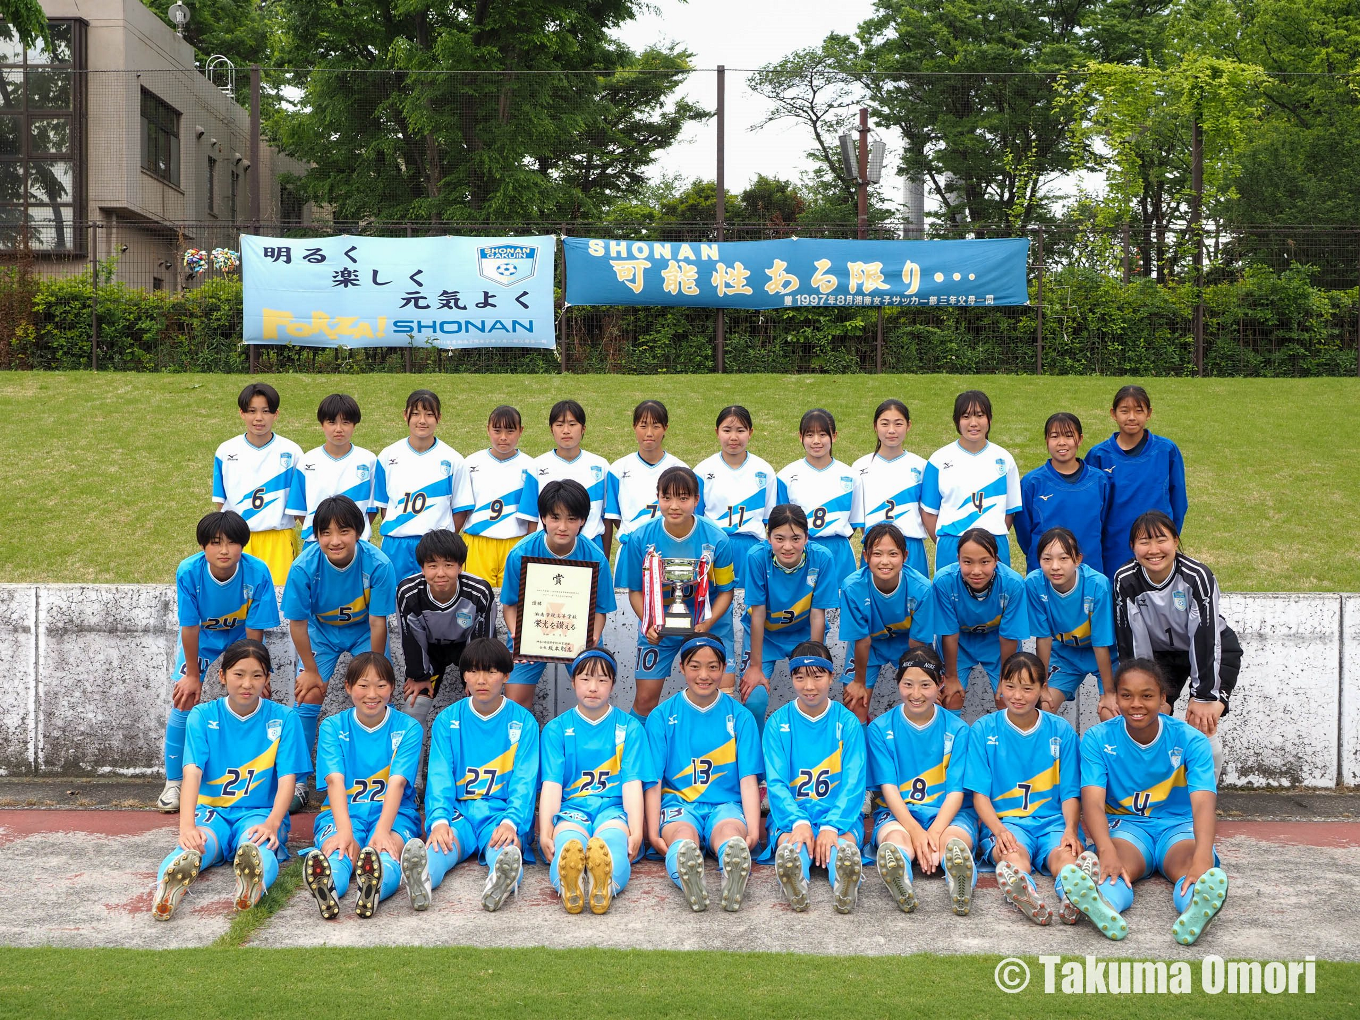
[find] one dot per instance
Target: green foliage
(25, 20)
(236, 29)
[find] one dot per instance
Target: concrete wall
(87, 683)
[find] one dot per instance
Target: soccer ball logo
(504, 271)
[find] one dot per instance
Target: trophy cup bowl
(678, 619)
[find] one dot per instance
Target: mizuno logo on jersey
(308, 467)
(542, 472)
(710, 476)
(344, 736)
(1111, 749)
(783, 727)
(391, 461)
(453, 724)
(212, 724)
(231, 457)
(571, 732)
(994, 741)
(1047, 498)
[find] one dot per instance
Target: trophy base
(678, 628)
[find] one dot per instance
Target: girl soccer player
(922, 812)
(815, 774)
(886, 608)
(1065, 491)
(482, 779)
(630, 494)
(888, 483)
(707, 752)
(824, 488)
(595, 764)
(1023, 769)
(971, 483)
(566, 461)
(790, 587)
(1148, 802)
(1072, 616)
(1146, 472)
(336, 468)
(368, 758)
(496, 480)
(252, 748)
(980, 614)
(421, 484)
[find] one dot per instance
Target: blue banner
(349, 291)
(797, 273)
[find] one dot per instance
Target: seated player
(1148, 799)
(815, 773)
(1024, 771)
(222, 595)
(480, 791)
(922, 812)
(252, 749)
(595, 765)
(708, 754)
(339, 594)
(367, 757)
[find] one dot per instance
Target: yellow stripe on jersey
(786, 617)
(721, 575)
(363, 788)
(1075, 637)
(233, 619)
(930, 777)
(499, 767)
(724, 755)
(893, 628)
(249, 775)
(612, 767)
(831, 763)
(983, 628)
(342, 615)
(1149, 798)
(1042, 783)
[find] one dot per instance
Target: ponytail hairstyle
(735, 411)
(982, 537)
(787, 513)
(1025, 662)
(891, 404)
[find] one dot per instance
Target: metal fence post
(562, 315)
(1197, 236)
(94, 296)
(409, 354)
(1039, 302)
(720, 320)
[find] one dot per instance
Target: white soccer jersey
(889, 490)
(824, 494)
(735, 498)
(320, 475)
(970, 490)
(255, 480)
(497, 487)
(590, 469)
(631, 497)
(420, 492)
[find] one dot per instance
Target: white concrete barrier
(87, 690)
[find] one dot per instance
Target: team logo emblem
(1178, 597)
(446, 467)
(396, 741)
(366, 581)
(709, 551)
(761, 478)
(513, 730)
(274, 728)
(505, 264)
(1088, 604)
(247, 590)
(464, 618)
(948, 742)
(619, 732)
(731, 727)
(1000, 466)
(847, 483)
(1055, 746)
(1176, 757)
(363, 472)
(915, 474)
(596, 472)
(911, 606)
(812, 577)
(286, 460)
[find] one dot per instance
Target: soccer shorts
(1152, 838)
(592, 821)
(654, 662)
(486, 558)
(406, 826)
(527, 673)
(703, 818)
(1036, 840)
(229, 825)
(877, 664)
(327, 648)
(947, 550)
(401, 550)
(1068, 667)
(842, 556)
(278, 550)
(980, 650)
(884, 822)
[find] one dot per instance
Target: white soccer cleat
(248, 867)
(502, 878)
(174, 884)
(1018, 890)
(689, 865)
(299, 802)
(788, 868)
(415, 871)
(168, 802)
(849, 869)
(736, 862)
(895, 870)
(958, 865)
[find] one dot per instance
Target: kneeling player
(479, 794)
(595, 764)
(815, 774)
(708, 754)
(254, 749)
(368, 758)
(1155, 774)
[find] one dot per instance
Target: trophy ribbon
(653, 606)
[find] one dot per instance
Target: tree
(26, 20)
(236, 29)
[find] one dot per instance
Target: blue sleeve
(755, 576)
(1024, 522)
(924, 626)
(219, 486)
(329, 760)
(826, 594)
(196, 738)
(946, 619)
(1199, 763)
(958, 763)
(528, 498)
(781, 494)
(406, 759)
(186, 601)
(380, 485)
(630, 560)
(655, 727)
(297, 496)
(552, 756)
(1013, 501)
(637, 756)
(699, 507)
(519, 797)
(930, 489)
(881, 764)
(297, 594)
(1015, 617)
(977, 770)
(784, 808)
(1093, 760)
(1179, 503)
(382, 589)
(854, 617)
(1036, 607)
(441, 799)
(1102, 619)
(611, 497)
(847, 815)
(510, 586)
(605, 602)
(294, 758)
(264, 604)
(1069, 765)
(750, 762)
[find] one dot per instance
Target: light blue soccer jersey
(1027, 776)
(702, 754)
(815, 769)
(1154, 781)
(925, 763)
(223, 610)
(704, 538)
(242, 759)
(1078, 621)
(890, 621)
(789, 596)
(368, 759)
(536, 546)
(1001, 612)
(483, 767)
(592, 760)
(336, 602)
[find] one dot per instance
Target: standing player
(252, 476)
(824, 488)
(222, 595)
(422, 484)
(1064, 492)
(630, 498)
(888, 483)
(566, 461)
(496, 478)
(336, 468)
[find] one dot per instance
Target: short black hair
(880, 531)
(566, 407)
(223, 522)
(337, 406)
(1150, 525)
(247, 648)
(505, 417)
(566, 496)
(427, 400)
(736, 411)
(786, 513)
(973, 400)
(1066, 418)
(339, 510)
(485, 655)
(441, 543)
(259, 389)
(653, 409)
(677, 481)
(1025, 662)
(1139, 665)
(365, 661)
(1066, 540)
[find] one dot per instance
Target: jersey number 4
(1142, 802)
(485, 776)
(815, 784)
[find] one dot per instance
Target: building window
(290, 207)
(212, 185)
(235, 187)
(160, 138)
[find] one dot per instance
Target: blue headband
(594, 653)
(814, 661)
(703, 641)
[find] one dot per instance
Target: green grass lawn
(105, 475)
(595, 983)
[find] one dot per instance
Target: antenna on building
(179, 14)
(221, 72)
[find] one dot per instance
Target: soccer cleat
(1019, 890)
(958, 865)
(248, 867)
(788, 868)
(368, 877)
(571, 868)
(415, 870)
(316, 872)
(1206, 900)
(736, 863)
(1067, 910)
(1084, 893)
(175, 883)
(299, 802)
(845, 886)
(689, 864)
(895, 870)
(600, 865)
(503, 878)
(168, 802)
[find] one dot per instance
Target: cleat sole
(1018, 891)
(1082, 892)
(503, 879)
(368, 872)
(571, 868)
(689, 864)
(1206, 900)
(736, 862)
(849, 869)
(892, 868)
(600, 866)
(415, 861)
(958, 865)
(788, 868)
(174, 884)
(248, 868)
(316, 872)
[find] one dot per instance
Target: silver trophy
(681, 575)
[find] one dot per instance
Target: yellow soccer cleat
(174, 884)
(571, 867)
(600, 864)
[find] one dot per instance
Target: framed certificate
(556, 608)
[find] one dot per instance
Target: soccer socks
(806, 859)
(1118, 894)
(672, 860)
(831, 864)
(441, 862)
(342, 870)
(563, 839)
(270, 862)
(640, 718)
(309, 716)
(758, 701)
(1182, 899)
(175, 726)
(617, 841)
(391, 877)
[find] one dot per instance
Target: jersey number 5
(817, 784)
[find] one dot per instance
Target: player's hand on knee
(186, 692)
(750, 680)
(442, 836)
(387, 842)
(504, 835)
(951, 696)
(634, 843)
(193, 838)
(1204, 715)
(826, 840)
(264, 835)
(415, 689)
(1005, 841)
(856, 693)
(545, 843)
(309, 682)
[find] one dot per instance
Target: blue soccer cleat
(1207, 899)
